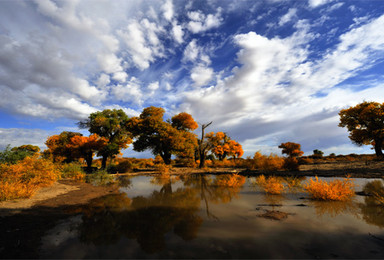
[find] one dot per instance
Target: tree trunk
(88, 160)
(202, 159)
(202, 149)
(166, 158)
(104, 162)
(378, 150)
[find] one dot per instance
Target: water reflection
(335, 208)
(172, 217)
(372, 209)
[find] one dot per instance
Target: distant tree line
(112, 130)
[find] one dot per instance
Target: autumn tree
(291, 149)
(58, 146)
(85, 147)
(164, 138)
(365, 124)
(112, 125)
(222, 146)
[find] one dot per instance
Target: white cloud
(131, 92)
(167, 9)
(201, 22)
(201, 75)
(317, 3)
(177, 32)
(120, 76)
(142, 42)
(20, 136)
(289, 16)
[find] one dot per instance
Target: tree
(112, 125)
(291, 149)
(163, 138)
(203, 145)
(222, 146)
(365, 124)
(58, 146)
(85, 147)
(317, 153)
(15, 154)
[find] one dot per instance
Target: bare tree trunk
(203, 147)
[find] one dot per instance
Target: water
(192, 217)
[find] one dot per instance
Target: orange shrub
(162, 169)
(266, 163)
(271, 185)
(24, 178)
(333, 190)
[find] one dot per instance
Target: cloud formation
(263, 72)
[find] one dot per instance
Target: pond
(194, 217)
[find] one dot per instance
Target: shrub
(271, 185)
(162, 169)
(124, 166)
(100, 177)
(266, 163)
(22, 179)
(72, 171)
(333, 190)
(291, 164)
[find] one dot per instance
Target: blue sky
(265, 72)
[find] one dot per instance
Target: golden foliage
(266, 163)
(270, 185)
(230, 180)
(291, 149)
(333, 190)
(162, 169)
(21, 180)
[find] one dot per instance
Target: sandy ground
(62, 193)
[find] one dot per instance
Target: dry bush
(291, 164)
(333, 190)
(271, 185)
(72, 171)
(376, 190)
(224, 163)
(21, 180)
(162, 168)
(265, 163)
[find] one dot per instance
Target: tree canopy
(291, 149)
(163, 138)
(222, 145)
(112, 125)
(365, 124)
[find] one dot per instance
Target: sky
(264, 72)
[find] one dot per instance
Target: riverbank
(69, 193)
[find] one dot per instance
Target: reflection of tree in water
(372, 209)
(107, 219)
(221, 189)
(335, 208)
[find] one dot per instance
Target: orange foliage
(271, 185)
(230, 180)
(266, 163)
(223, 146)
(291, 149)
(184, 121)
(333, 190)
(21, 180)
